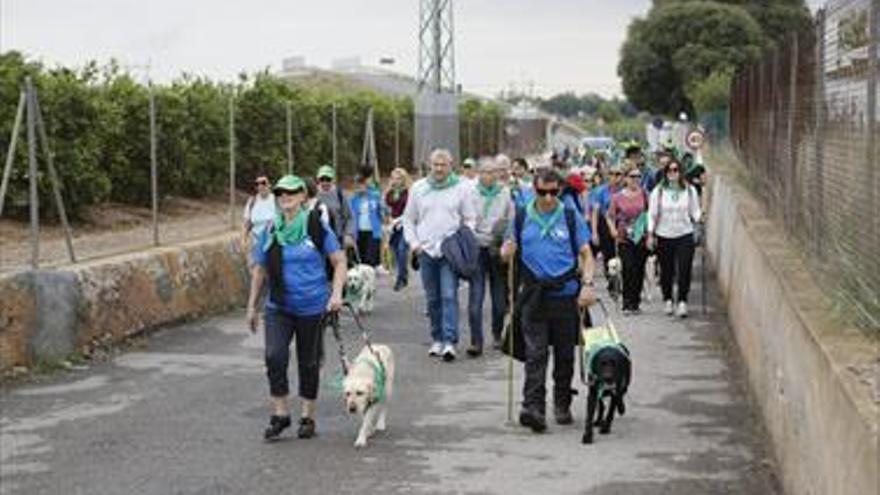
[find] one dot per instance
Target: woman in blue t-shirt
(292, 252)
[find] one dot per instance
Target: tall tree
(680, 43)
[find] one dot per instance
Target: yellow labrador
(367, 390)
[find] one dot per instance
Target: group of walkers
(536, 233)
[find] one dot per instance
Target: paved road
(183, 414)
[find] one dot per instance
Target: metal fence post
(289, 140)
(10, 155)
(232, 162)
(154, 169)
(789, 183)
(817, 190)
(53, 177)
(333, 137)
(871, 162)
(396, 138)
(32, 175)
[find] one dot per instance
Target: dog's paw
(360, 443)
(380, 425)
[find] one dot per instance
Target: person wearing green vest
(627, 221)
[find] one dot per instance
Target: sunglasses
(544, 192)
(325, 179)
(673, 169)
(282, 192)
(616, 173)
(635, 176)
(261, 182)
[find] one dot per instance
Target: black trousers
(281, 327)
(553, 322)
(368, 248)
(606, 244)
(676, 257)
(633, 256)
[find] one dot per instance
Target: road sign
(695, 139)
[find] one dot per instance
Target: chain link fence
(804, 121)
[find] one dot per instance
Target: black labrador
(609, 378)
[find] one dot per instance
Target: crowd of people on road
(536, 233)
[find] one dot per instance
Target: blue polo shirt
(600, 198)
(550, 257)
(306, 289)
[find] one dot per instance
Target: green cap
(289, 183)
(326, 171)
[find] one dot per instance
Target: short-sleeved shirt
(601, 198)
(259, 212)
(551, 257)
(306, 288)
(626, 209)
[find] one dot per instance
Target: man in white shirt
(437, 206)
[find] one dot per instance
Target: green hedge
(98, 124)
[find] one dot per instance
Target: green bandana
(395, 193)
(451, 180)
(532, 212)
(379, 370)
(675, 190)
(287, 234)
(489, 194)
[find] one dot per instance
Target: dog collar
(379, 369)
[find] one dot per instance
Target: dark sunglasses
(616, 173)
(281, 192)
(325, 179)
(261, 182)
(544, 192)
(635, 176)
(673, 169)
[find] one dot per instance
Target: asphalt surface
(183, 413)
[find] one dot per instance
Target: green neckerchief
(532, 212)
(379, 369)
(451, 180)
(489, 194)
(287, 234)
(675, 189)
(395, 193)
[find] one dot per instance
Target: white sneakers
(668, 308)
(682, 310)
(439, 349)
(436, 349)
(448, 352)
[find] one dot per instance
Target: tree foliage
(97, 119)
(668, 55)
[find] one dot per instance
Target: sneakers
(668, 308)
(306, 428)
(682, 310)
(533, 419)
(400, 285)
(277, 424)
(436, 349)
(448, 353)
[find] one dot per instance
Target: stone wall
(52, 313)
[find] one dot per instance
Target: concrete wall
(52, 313)
(813, 379)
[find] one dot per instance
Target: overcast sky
(556, 45)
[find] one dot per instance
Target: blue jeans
(400, 250)
(490, 271)
(441, 291)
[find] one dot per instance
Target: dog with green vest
(367, 389)
(607, 370)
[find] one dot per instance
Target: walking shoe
(533, 419)
(497, 343)
(436, 349)
(277, 424)
(400, 285)
(475, 351)
(306, 428)
(448, 353)
(682, 310)
(562, 414)
(668, 308)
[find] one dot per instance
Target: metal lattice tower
(436, 47)
(436, 105)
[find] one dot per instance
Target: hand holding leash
(587, 297)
